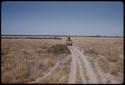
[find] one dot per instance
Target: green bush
(58, 49)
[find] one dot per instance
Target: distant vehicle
(69, 42)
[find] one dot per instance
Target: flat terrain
(90, 60)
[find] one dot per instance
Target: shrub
(58, 49)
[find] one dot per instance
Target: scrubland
(26, 60)
(107, 52)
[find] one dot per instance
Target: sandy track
(88, 73)
(72, 74)
(78, 55)
(81, 71)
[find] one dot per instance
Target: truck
(68, 42)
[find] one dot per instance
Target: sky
(62, 18)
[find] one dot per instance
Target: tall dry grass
(25, 60)
(108, 52)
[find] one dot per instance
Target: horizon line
(66, 35)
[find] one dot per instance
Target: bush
(58, 49)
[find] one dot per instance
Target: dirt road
(72, 74)
(81, 66)
(88, 73)
(78, 57)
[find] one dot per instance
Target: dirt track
(86, 68)
(88, 73)
(76, 57)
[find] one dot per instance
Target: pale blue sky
(62, 18)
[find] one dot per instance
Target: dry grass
(58, 49)
(104, 64)
(108, 51)
(24, 60)
(60, 74)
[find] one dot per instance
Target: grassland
(25, 60)
(107, 52)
